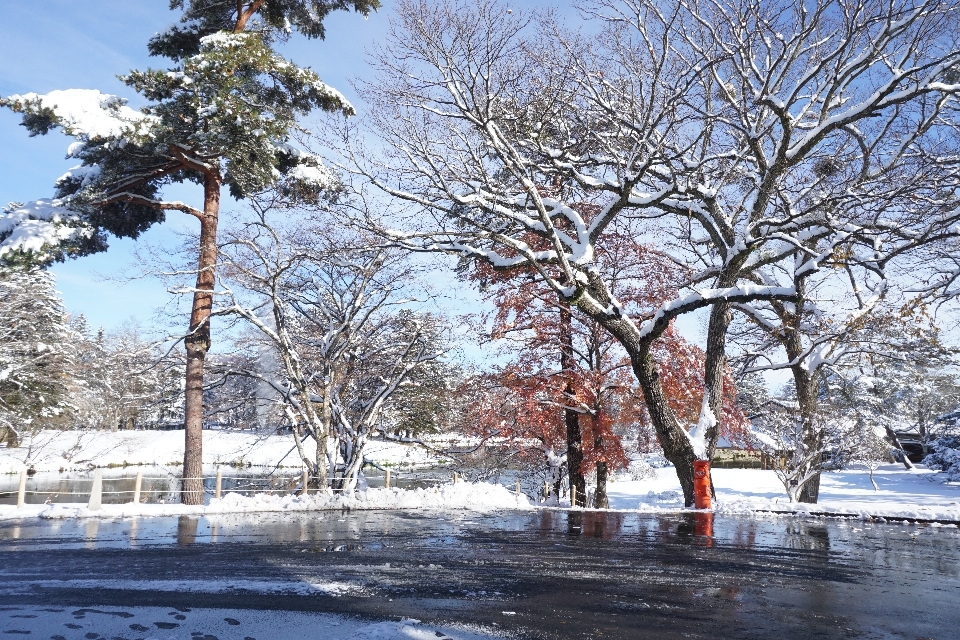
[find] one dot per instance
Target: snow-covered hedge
(946, 457)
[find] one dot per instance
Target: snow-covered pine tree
(222, 114)
(34, 348)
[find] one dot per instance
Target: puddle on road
(352, 530)
(561, 573)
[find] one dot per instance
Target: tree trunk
(600, 500)
(806, 384)
(197, 343)
(806, 387)
(895, 441)
(715, 365)
(674, 442)
(924, 434)
(575, 454)
(571, 417)
(11, 437)
(324, 462)
(671, 435)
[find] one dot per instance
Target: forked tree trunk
(670, 433)
(197, 343)
(571, 418)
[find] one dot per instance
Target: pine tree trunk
(571, 418)
(197, 343)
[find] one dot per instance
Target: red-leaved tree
(566, 397)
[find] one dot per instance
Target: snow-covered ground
(81, 450)
(478, 496)
(902, 494)
(160, 623)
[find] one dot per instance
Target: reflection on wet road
(545, 574)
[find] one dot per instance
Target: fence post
(573, 496)
(518, 488)
(306, 482)
(96, 492)
(22, 491)
(454, 477)
(137, 486)
(388, 479)
(219, 481)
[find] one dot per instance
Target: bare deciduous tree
(747, 134)
(336, 311)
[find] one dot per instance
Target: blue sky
(65, 44)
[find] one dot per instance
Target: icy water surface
(162, 484)
(545, 574)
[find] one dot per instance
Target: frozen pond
(545, 574)
(162, 484)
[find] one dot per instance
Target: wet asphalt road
(545, 574)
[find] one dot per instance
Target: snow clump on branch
(84, 113)
(37, 227)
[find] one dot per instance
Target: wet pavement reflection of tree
(564, 573)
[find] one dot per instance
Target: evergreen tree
(221, 115)
(34, 349)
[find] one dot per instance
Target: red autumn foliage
(523, 400)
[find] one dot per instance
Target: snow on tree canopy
(39, 228)
(228, 107)
(83, 113)
(319, 176)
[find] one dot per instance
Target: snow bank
(472, 496)
(51, 451)
(916, 494)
